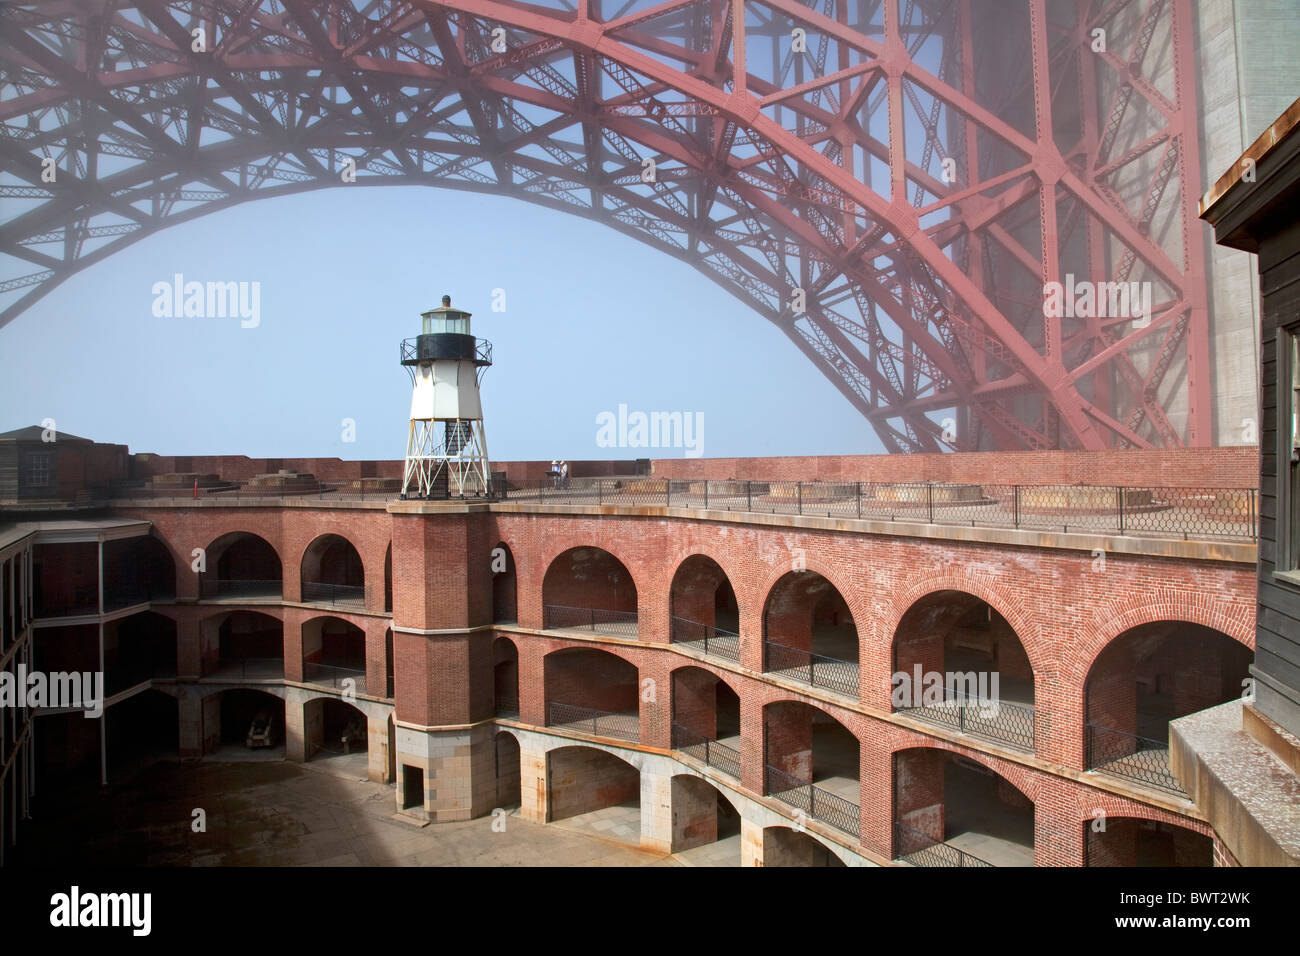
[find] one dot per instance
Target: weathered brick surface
(1054, 612)
(1236, 467)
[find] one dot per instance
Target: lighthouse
(446, 446)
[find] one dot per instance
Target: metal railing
(116, 598)
(1122, 754)
(714, 641)
(816, 802)
(1109, 509)
(125, 676)
(809, 668)
(1004, 722)
(621, 623)
(86, 600)
(706, 750)
(330, 675)
(249, 668)
(507, 707)
(223, 588)
(918, 849)
(410, 351)
(315, 592)
(600, 723)
(77, 603)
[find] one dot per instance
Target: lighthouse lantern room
(446, 446)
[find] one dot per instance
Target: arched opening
(589, 589)
(388, 664)
(65, 579)
(811, 763)
(1133, 841)
(505, 587)
(706, 719)
(73, 648)
(592, 692)
(783, 846)
(959, 664)
(337, 732)
(1146, 677)
(388, 580)
(141, 730)
(242, 566)
(242, 645)
(505, 677)
(703, 606)
(706, 827)
(594, 792)
(507, 770)
(332, 573)
(244, 723)
(137, 570)
(951, 811)
(809, 634)
(138, 648)
(67, 745)
(334, 653)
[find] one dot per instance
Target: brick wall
(589, 578)
(242, 468)
(590, 678)
(1060, 608)
(1236, 467)
(66, 576)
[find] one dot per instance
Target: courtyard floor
(274, 813)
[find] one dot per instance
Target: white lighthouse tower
(446, 446)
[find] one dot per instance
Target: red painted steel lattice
(913, 172)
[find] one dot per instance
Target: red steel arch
(891, 182)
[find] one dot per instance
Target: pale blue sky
(593, 319)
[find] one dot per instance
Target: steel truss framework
(912, 173)
(440, 464)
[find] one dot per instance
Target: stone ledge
(1249, 794)
(1273, 736)
(1228, 550)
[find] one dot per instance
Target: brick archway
(1027, 628)
(1013, 773)
(1236, 620)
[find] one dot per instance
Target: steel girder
(891, 182)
